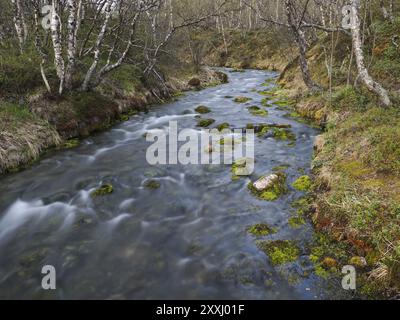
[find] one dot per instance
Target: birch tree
(369, 82)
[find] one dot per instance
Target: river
(187, 239)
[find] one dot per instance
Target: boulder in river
(202, 109)
(269, 187)
(242, 99)
(102, 191)
(204, 123)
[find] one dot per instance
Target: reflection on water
(186, 239)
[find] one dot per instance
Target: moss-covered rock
(152, 184)
(202, 109)
(105, 189)
(204, 123)
(283, 134)
(223, 77)
(303, 183)
(223, 126)
(239, 167)
(261, 230)
(242, 99)
(280, 251)
(257, 111)
(269, 188)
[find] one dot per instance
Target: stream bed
(186, 239)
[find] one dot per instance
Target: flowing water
(186, 239)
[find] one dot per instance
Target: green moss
(237, 70)
(296, 222)
(105, 189)
(242, 99)
(152, 184)
(265, 102)
(205, 122)
(178, 94)
(284, 103)
(71, 143)
(283, 134)
(303, 183)
(202, 109)
(257, 111)
(239, 168)
(223, 126)
(280, 251)
(273, 192)
(124, 117)
(261, 230)
(281, 167)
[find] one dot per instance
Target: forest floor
(355, 203)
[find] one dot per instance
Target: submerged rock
(269, 187)
(152, 184)
(202, 109)
(102, 191)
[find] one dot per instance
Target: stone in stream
(257, 111)
(202, 109)
(102, 191)
(203, 123)
(269, 187)
(242, 99)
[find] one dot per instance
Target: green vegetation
(104, 190)
(223, 126)
(261, 230)
(202, 109)
(152, 184)
(280, 251)
(303, 183)
(203, 123)
(283, 134)
(242, 99)
(71, 143)
(239, 168)
(257, 111)
(273, 191)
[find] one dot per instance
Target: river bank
(41, 122)
(355, 200)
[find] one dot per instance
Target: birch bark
(370, 83)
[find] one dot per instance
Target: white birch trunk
(99, 41)
(359, 54)
(55, 28)
(71, 47)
